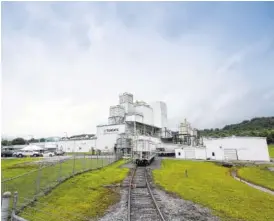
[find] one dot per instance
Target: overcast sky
(64, 64)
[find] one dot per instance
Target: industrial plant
(139, 130)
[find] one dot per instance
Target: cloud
(66, 63)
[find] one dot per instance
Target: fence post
(73, 169)
(5, 206)
(60, 171)
(91, 158)
(15, 199)
(38, 180)
(84, 162)
(97, 164)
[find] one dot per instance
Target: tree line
(256, 127)
(21, 141)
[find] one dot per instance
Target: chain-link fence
(9, 212)
(51, 173)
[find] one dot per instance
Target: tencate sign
(111, 130)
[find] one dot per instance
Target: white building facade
(70, 145)
(227, 148)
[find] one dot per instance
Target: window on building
(213, 154)
(179, 153)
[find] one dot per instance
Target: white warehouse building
(227, 148)
(86, 145)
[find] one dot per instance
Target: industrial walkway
(234, 175)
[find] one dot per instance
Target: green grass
(259, 175)
(82, 195)
(15, 167)
(212, 186)
(78, 153)
(271, 150)
(42, 180)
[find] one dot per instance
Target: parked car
(48, 154)
(59, 153)
(27, 153)
(7, 153)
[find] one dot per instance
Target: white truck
(27, 153)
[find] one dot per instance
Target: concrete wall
(248, 148)
(107, 136)
(200, 153)
(190, 153)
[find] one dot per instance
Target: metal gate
(230, 154)
(189, 153)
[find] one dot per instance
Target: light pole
(66, 139)
(31, 136)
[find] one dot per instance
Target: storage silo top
(126, 93)
(117, 106)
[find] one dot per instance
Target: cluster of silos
(116, 114)
(187, 134)
(126, 101)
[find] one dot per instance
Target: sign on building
(111, 130)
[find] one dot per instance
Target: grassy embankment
(212, 186)
(41, 180)
(82, 195)
(271, 150)
(259, 175)
(15, 167)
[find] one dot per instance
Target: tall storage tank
(184, 128)
(159, 114)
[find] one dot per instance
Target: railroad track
(141, 202)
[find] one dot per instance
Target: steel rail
(129, 194)
(150, 193)
(153, 198)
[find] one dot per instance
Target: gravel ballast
(173, 208)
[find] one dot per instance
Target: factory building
(137, 126)
(129, 122)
